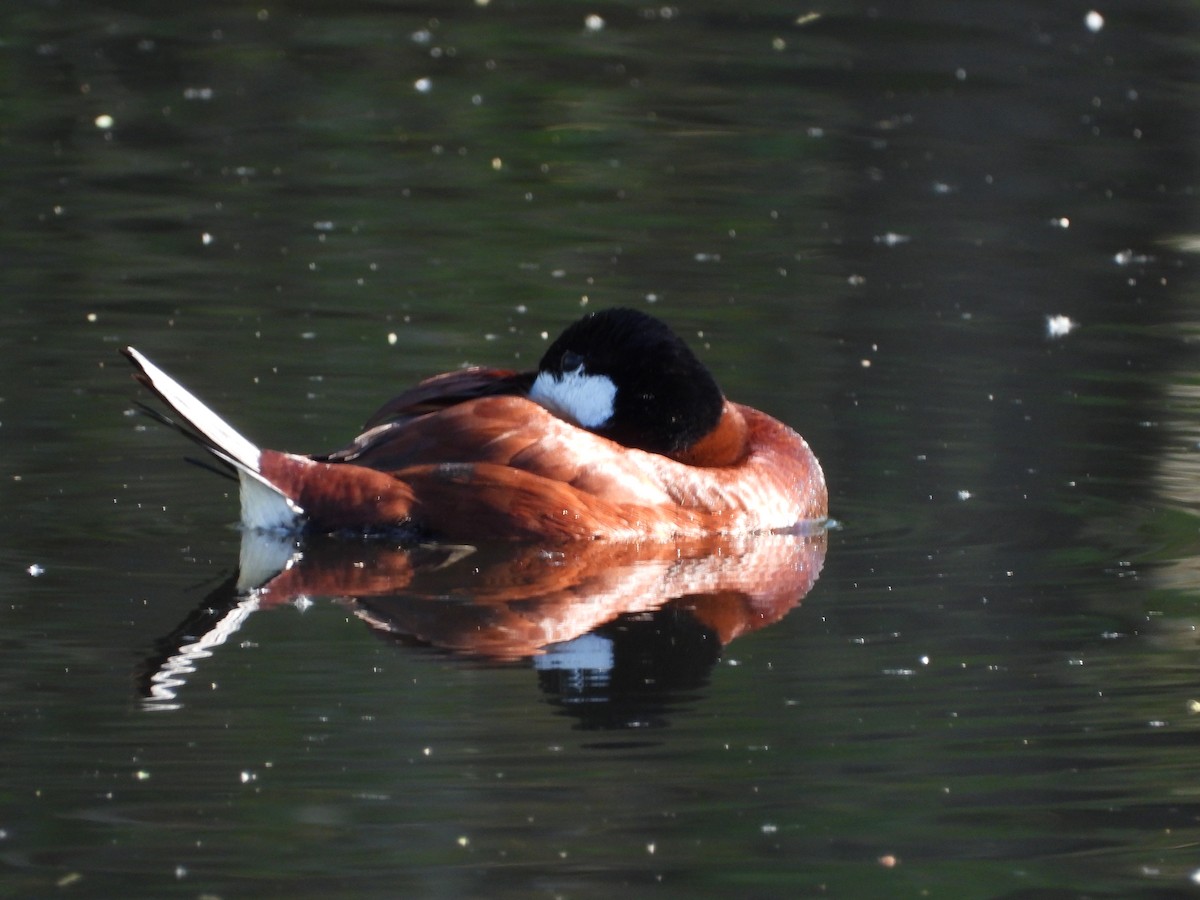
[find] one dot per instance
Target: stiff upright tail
(265, 506)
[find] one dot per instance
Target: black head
(625, 375)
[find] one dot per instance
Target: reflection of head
(632, 672)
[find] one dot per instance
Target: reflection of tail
(176, 655)
(265, 506)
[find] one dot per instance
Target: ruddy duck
(621, 433)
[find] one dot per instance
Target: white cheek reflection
(582, 398)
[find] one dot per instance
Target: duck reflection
(616, 632)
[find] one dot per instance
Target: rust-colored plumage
(470, 456)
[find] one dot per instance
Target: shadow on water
(618, 633)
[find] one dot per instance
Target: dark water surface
(861, 219)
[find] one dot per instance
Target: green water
(860, 221)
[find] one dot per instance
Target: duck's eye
(571, 361)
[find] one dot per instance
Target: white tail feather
(215, 429)
(264, 506)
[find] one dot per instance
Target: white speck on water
(964, 495)
(247, 776)
(180, 872)
(198, 93)
(1059, 326)
(35, 570)
(391, 338)
(892, 239)
(1061, 222)
(206, 238)
(1094, 21)
(104, 121)
(769, 828)
(1129, 257)
(423, 85)
(423, 36)
(960, 74)
(593, 23)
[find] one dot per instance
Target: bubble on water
(104, 121)
(1094, 21)
(593, 23)
(423, 85)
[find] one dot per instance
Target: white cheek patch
(585, 399)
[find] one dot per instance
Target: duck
(621, 433)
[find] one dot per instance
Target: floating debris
(1131, 257)
(1059, 326)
